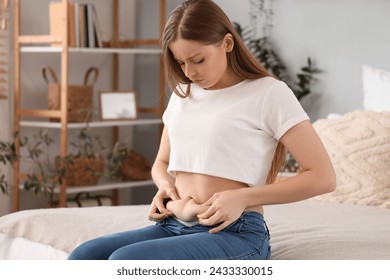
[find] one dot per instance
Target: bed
(350, 223)
(307, 230)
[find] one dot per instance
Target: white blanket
(65, 228)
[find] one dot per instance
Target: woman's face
(204, 65)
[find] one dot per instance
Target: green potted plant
(42, 176)
(85, 163)
(7, 156)
(265, 53)
(83, 166)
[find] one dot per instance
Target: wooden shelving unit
(40, 44)
(138, 50)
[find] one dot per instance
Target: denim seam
(247, 254)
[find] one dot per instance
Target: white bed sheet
(18, 248)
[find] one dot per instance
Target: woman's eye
(199, 61)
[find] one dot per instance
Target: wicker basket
(135, 167)
(80, 97)
(84, 199)
(83, 171)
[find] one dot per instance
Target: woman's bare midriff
(200, 188)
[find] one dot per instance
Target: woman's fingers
(158, 210)
(209, 202)
(156, 217)
(155, 214)
(208, 213)
(209, 218)
(173, 195)
(220, 227)
(161, 207)
(216, 218)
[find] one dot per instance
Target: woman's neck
(228, 80)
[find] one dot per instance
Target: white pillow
(376, 89)
(359, 146)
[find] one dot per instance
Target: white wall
(339, 35)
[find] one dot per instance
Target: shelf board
(47, 49)
(103, 187)
(94, 124)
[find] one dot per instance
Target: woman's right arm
(163, 180)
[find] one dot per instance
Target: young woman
(227, 126)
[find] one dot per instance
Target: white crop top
(232, 132)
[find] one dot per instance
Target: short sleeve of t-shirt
(281, 110)
(168, 111)
(171, 104)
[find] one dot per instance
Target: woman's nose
(188, 71)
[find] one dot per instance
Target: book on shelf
(83, 25)
(71, 26)
(77, 24)
(90, 27)
(98, 31)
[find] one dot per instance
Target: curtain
(4, 46)
(5, 103)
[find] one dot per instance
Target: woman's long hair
(205, 22)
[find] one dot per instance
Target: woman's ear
(228, 42)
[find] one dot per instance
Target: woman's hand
(158, 210)
(224, 208)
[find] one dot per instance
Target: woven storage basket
(83, 171)
(84, 199)
(80, 97)
(135, 167)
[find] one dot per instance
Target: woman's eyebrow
(189, 58)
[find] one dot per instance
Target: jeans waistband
(188, 224)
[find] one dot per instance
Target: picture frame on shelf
(116, 105)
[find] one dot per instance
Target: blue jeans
(246, 239)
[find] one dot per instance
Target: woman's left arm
(316, 174)
(316, 177)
